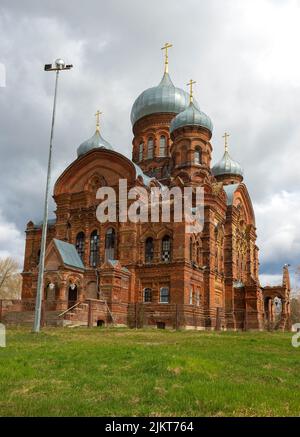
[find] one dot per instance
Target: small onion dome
(191, 116)
(95, 142)
(227, 166)
(162, 98)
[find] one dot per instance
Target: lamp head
(60, 63)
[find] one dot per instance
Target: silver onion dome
(227, 166)
(162, 98)
(191, 116)
(95, 142)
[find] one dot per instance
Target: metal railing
(70, 309)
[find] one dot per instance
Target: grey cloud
(115, 48)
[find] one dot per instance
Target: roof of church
(95, 142)
(69, 254)
(164, 97)
(191, 116)
(227, 166)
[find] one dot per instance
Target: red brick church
(154, 274)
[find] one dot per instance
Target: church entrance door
(72, 297)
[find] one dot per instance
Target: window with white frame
(110, 244)
(150, 148)
(162, 146)
(164, 295)
(94, 249)
(197, 156)
(141, 151)
(80, 240)
(191, 296)
(166, 249)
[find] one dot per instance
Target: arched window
(80, 244)
(110, 244)
(197, 156)
(166, 249)
(147, 295)
(149, 250)
(141, 151)
(94, 249)
(150, 148)
(164, 295)
(162, 146)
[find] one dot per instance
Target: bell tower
(151, 117)
(191, 131)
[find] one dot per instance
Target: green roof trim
(68, 254)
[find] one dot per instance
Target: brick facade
(209, 280)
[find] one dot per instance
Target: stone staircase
(77, 316)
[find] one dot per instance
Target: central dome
(162, 98)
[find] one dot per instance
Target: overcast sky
(244, 55)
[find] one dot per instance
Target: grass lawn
(118, 372)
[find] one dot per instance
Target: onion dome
(164, 98)
(191, 116)
(95, 142)
(227, 166)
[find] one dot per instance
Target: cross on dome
(226, 136)
(97, 115)
(190, 84)
(166, 47)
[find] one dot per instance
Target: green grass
(117, 372)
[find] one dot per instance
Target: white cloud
(278, 222)
(11, 241)
(266, 279)
(243, 55)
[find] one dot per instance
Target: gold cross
(190, 84)
(97, 115)
(226, 135)
(166, 47)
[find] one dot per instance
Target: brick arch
(95, 181)
(56, 279)
(241, 197)
(74, 278)
(184, 176)
(163, 232)
(111, 165)
(149, 233)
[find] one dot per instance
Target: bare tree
(10, 279)
(295, 310)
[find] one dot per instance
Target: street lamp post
(58, 66)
